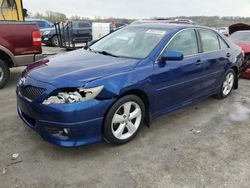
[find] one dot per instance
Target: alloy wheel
(126, 120)
(228, 84)
(55, 41)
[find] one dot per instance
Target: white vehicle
(99, 30)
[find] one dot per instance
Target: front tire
(4, 74)
(55, 41)
(227, 85)
(124, 120)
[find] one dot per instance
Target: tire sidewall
(107, 127)
(6, 73)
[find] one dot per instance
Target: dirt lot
(169, 154)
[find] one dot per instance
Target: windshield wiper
(92, 50)
(106, 53)
(103, 52)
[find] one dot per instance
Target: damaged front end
(245, 73)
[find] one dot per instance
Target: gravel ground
(206, 144)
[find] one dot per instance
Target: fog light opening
(61, 133)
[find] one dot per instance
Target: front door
(178, 82)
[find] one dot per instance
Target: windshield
(241, 36)
(130, 42)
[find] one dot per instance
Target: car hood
(244, 45)
(47, 29)
(74, 69)
(52, 29)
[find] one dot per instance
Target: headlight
(46, 32)
(73, 96)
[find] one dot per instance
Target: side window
(83, 25)
(223, 44)
(185, 42)
(41, 24)
(209, 41)
(75, 25)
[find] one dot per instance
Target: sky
(141, 8)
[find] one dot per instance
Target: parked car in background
(70, 31)
(20, 44)
(49, 36)
(223, 30)
(242, 39)
(42, 24)
(240, 35)
(111, 89)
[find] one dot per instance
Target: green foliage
(51, 16)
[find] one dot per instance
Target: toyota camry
(125, 80)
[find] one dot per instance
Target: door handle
(228, 55)
(198, 62)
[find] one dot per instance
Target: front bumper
(46, 39)
(83, 121)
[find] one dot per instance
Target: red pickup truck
(20, 44)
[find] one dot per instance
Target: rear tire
(4, 74)
(123, 120)
(227, 85)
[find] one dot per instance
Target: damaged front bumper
(66, 125)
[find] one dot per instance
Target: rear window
(223, 44)
(81, 24)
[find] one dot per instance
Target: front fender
(136, 80)
(116, 85)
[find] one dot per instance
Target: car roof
(36, 19)
(167, 26)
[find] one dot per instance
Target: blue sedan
(124, 80)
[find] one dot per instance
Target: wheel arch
(236, 71)
(7, 57)
(144, 97)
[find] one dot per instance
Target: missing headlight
(72, 95)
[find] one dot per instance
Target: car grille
(31, 92)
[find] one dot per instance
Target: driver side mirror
(172, 56)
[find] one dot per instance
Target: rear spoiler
(238, 27)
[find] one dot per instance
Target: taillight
(37, 39)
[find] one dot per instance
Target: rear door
(216, 55)
(178, 82)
